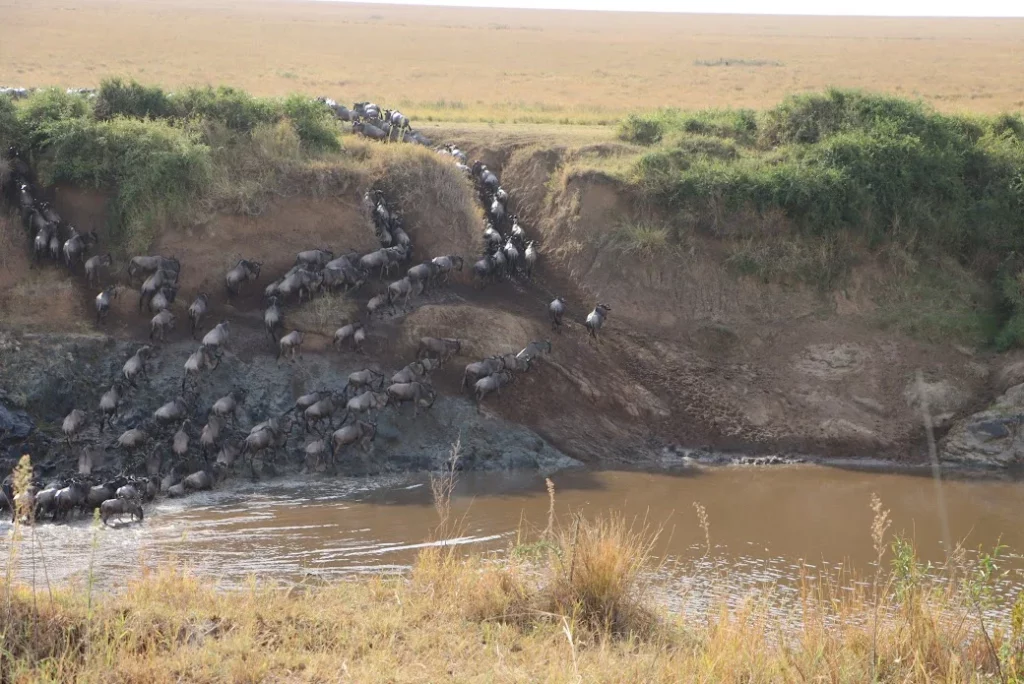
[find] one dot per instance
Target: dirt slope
(692, 355)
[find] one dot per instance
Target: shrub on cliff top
(157, 171)
(117, 98)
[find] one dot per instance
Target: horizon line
(534, 6)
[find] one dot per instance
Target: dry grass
(570, 606)
(325, 314)
(512, 65)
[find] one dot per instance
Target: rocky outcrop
(989, 438)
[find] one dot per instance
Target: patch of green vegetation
(159, 171)
(819, 263)
(164, 156)
(842, 166)
(117, 98)
(314, 123)
(644, 238)
(939, 301)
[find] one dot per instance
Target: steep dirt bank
(692, 355)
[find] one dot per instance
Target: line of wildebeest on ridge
(315, 270)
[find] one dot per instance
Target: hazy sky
(943, 8)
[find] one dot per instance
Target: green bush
(314, 122)
(46, 107)
(642, 130)
(740, 125)
(878, 168)
(236, 109)
(156, 171)
(11, 129)
(117, 98)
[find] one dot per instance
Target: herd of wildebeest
(329, 420)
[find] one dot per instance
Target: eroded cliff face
(692, 354)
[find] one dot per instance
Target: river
(766, 525)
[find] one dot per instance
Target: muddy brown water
(767, 525)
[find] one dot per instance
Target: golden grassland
(507, 65)
(573, 604)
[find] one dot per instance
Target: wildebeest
(94, 265)
(301, 282)
(481, 369)
(492, 238)
(218, 337)
(101, 492)
(496, 212)
(41, 244)
(264, 436)
(483, 270)
(324, 409)
(109, 403)
(447, 264)
(365, 378)
(154, 284)
(200, 481)
(75, 247)
(360, 431)
(368, 130)
(117, 507)
(197, 310)
(367, 401)
(442, 348)
(596, 319)
(290, 345)
(314, 259)
(423, 273)
(511, 255)
(181, 440)
(171, 412)
(345, 275)
(533, 350)
(376, 304)
(229, 451)
(244, 270)
(315, 453)
(556, 309)
(273, 318)
(209, 436)
(492, 383)
(226, 406)
(411, 373)
(132, 440)
(530, 258)
(404, 289)
(374, 260)
(346, 332)
(161, 324)
(147, 265)
(103, 300)
(416, 392)
(516, 233)
(73, 424)
(163, 298)
(136, 365)
(204, 358)
(70, 498)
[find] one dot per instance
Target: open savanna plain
(507, 66)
